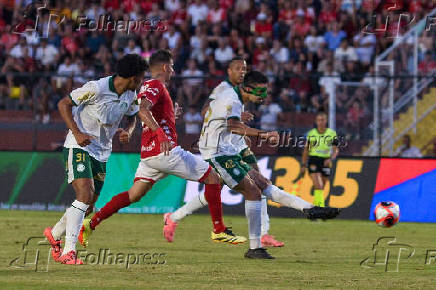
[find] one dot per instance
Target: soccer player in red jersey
(160, 155)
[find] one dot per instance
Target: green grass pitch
(316, 255)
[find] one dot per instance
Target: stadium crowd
(305, 47)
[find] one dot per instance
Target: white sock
(284, 198)
(265, 217)
(253, 211)
(194, 204)
(59, 228)
(74, 217)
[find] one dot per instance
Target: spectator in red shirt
(128, 5)
(301, 27)
(216, 14)
(307, 12)
(69, 42)
(8, 39)
(226, 4)
(263, 25)
(415, 6)
(260, 51)
(285, 14)
(179, 16)
(300, 82)
(327, 14)
(111, 5)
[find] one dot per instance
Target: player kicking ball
(236, 71)
(99, 108)
(160, 155)
(221, 126)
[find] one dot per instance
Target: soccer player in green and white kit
(92, 114)
(222, 125)
(236, 71)
(320, 151)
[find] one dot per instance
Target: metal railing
(408, 96)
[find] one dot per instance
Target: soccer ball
(387, 213)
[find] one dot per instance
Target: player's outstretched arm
(147, 117)
(237, 127)
(125, 134)
(65, 107)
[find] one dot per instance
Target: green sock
(319, 198)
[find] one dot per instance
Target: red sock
(114, 205)
(212, 194)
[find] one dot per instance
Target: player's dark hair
(162, 56)
(254, 77)
(130, 65)
(236, 58)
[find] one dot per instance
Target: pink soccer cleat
(70, 259)
(169, 227)
(270, 241)
(56, 249)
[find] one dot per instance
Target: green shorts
(78, 164)
(232, 169)
(248, 156)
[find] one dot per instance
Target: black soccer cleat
(324, 213)
(259, 253)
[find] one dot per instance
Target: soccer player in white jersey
(236, 71)
(92, 114)
(222, 125)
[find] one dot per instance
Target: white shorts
(179, 162)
